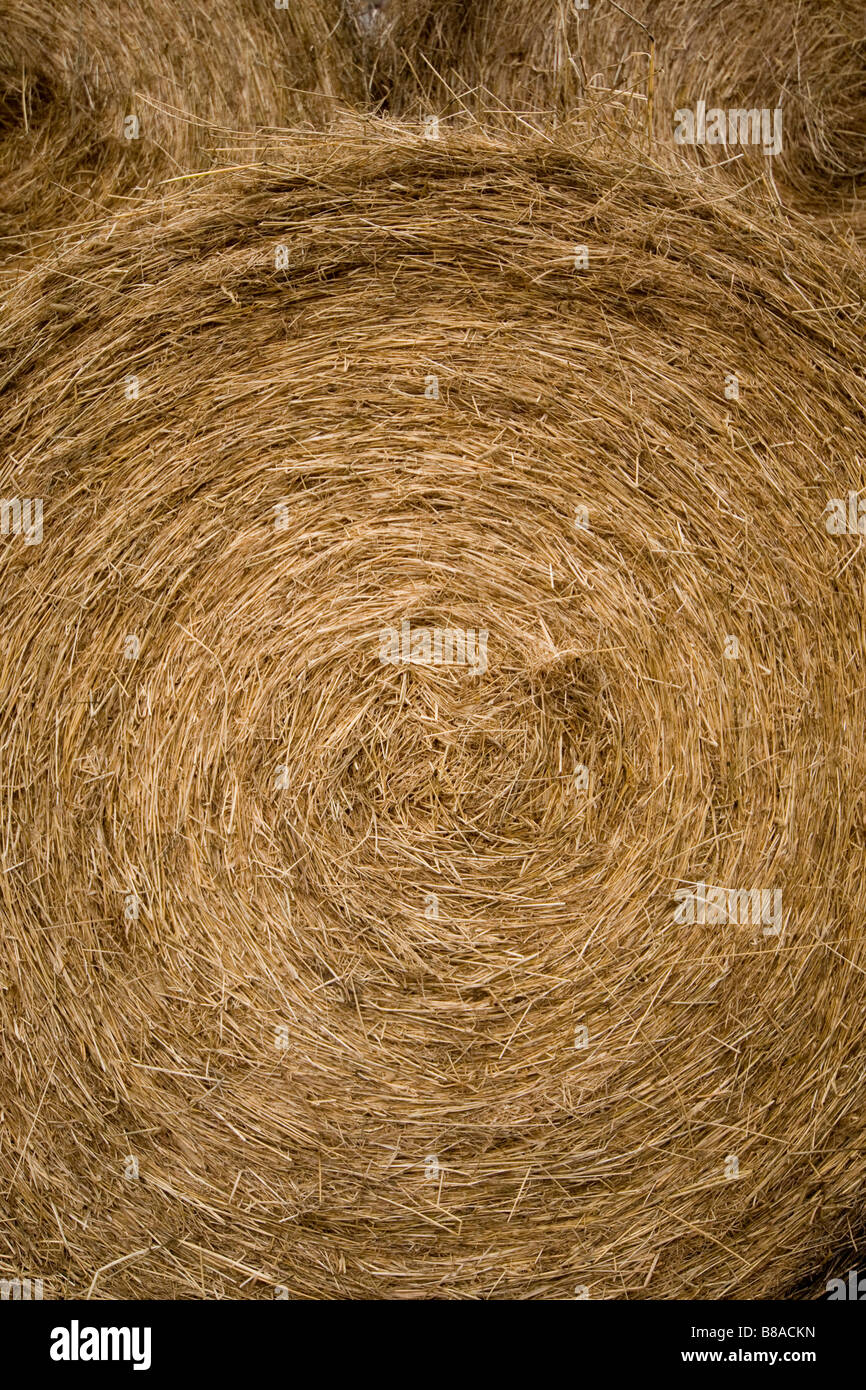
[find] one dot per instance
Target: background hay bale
(312, 938)
(534, 55)
(70, 72)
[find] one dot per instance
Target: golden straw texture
(73, 72)
(372, 967)
(536, 56)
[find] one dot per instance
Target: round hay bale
(534, 55)
(354, 962)
(77, 75)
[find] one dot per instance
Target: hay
(73, 71)
(71, 74)
(312, 938)
(538, 55)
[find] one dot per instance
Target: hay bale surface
(313, 938)
(542, 55)
(72, 71)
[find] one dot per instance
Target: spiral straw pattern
(332, 968)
